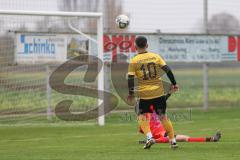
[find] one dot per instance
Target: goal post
(98, 41)
(101, 84)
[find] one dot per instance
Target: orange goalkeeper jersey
(156, 126)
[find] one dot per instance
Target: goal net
(32, 46)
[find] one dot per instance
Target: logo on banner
(119, 44)
(234, 45)
(37, 45)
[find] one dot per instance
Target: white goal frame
(99, 42)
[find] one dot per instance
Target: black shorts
(159, 105)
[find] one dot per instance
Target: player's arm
(131, 75)
(131, 84)
(171, 77)
(169, 73)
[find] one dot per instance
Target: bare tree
(110, 9)
(223, 23)
(6, 49)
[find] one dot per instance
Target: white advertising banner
(40, 48)
(44, 48)
(196, 48)
(177, 48)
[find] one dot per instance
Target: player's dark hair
(141, 41)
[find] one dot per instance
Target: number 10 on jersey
(149, 71)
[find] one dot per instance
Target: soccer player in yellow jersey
(147, 68)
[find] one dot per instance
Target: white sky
(175, 15)
(149, 15)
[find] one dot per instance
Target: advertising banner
(43, 48)
(40, 48)
(34, 48)
(177, 48)
(198, 48)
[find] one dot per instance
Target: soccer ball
(122, 21)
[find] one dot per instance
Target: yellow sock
(144, 122)
(167, 124)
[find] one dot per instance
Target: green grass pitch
(117, 140)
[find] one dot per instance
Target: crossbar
(50, 13)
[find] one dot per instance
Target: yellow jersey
(146, 67)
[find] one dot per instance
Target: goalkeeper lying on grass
(160, 134)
